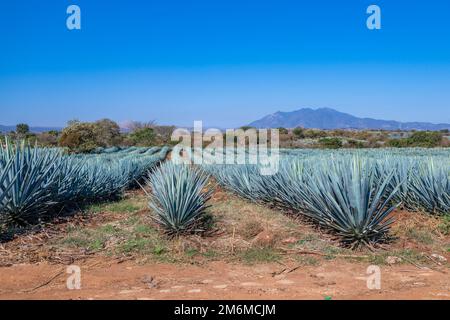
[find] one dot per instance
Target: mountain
(326, 118)
(6, 129)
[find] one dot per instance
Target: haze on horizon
(227, 63)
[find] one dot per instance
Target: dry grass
(241, 231)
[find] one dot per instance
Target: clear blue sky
(224, 62)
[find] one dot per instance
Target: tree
(135, 125)
(48, 139)
(164, 133)
(79, 137)
(22, 129)
(72, 122)
(245, 128)
(143, 137)
(107, 133)
(86, 136)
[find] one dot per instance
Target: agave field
(37, 184)
(351, 193)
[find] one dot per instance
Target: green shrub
(143, 137)
(331, 143)
(314, 134)
(299, 132)
(424, 139)
(355, 143)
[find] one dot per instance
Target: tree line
(84, 137)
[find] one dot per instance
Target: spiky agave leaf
(5, 184)
(349, 195)
(36, 183)
(350, 199)
(403, 170)
(288, 183)
(430, 187)
(178, 196)
(70, 180)
(33, 176)
(238, 178)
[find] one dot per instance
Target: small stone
(264, 239)
(207, 281)
(393, 260)
(249, 284)
(194, 291)
(177, 287)
(438, 257)
(130, 291)
(220, 286)
(150, 282)
(419, 284)
(285, 282)
(289, 240)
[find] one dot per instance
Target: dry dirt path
(219, 280)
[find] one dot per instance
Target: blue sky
(224, 62)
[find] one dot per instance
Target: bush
(283, 130)
(422, 139)
(107, 133)
(331, 143)
(82, 137)
(245, 128)
(425, 139)
(313, 134)
(299, 132)
(355, 143)
(48, 139)
(79, 137)
(142, 137)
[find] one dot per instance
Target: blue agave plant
(430, 187)
(178, 196)
(36, 182)
(352, 196)
(351, 199)
(32, 176)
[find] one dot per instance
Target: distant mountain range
(326, 118)
(322, 118)
(6, 129)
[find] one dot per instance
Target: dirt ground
(219, 280)
(253, 253)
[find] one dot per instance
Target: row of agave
(354, 195)
(37, 183)
(129, 150)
